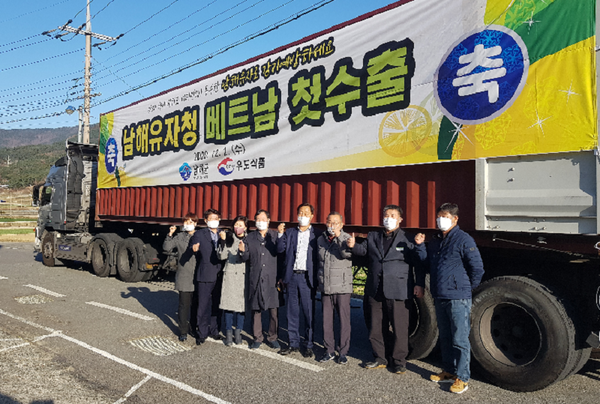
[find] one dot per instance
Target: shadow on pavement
(9, 400)
(161, 303)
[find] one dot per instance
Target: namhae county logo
(185, 171)
(224, 167)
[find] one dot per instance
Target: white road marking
(123, 362)
(133, 390)
(119, 310)
(159, 346)
(276, 356)
(3, 277)
(46, 291)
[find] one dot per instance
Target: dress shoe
(288, 350)
(200, 341)
(399, 369)
(376, 364)
(308, 353)
(182, 337)
(217, 337)
(274, 344)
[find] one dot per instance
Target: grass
(14, 219)
(360, 278)
(16, 231)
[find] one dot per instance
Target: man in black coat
(389, 288)
(260, 250)
(301, 263)
(209, 277)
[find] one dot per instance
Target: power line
(152, 16)
(248, 38)
(34, 11)
(41, 60)
(102, 9)
(24, 46)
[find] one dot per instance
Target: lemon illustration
(403, 132)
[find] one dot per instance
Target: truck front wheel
(100, 258)
(48, 249)
(521, 336)
(129, 258)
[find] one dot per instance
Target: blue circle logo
(481, 75)
(111, 153)
(185, 171)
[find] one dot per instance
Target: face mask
(262, 225)
(213, 224)
(331, 230)
(303, 221)
(239, 230)
(389, 223)
(444, 223)
(188, 227)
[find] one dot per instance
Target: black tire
(100, 258)
(129, 260)
(48, 249)
(521, 336)
(423, 332)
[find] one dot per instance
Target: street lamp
(70, 110)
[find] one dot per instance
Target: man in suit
(301, 262)
(389, 288)
(209, 277)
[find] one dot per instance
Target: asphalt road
(67, 336)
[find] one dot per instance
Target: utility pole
(88, 64)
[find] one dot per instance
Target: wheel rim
(510, 334)
(99, 256)
(48, 253)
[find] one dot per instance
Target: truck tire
(129, 258)
(100, 258)
(521, 335)
(48, 249)
(423, 332)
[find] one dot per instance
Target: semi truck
(488, 104)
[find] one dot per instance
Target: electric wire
(34, 11)
(42, 60)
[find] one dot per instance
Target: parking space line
(179, 385)
(46, 291)
(3, 277)
(276, 356)
(14, 346)
(132, 390)
(122, 311)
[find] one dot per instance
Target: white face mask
(213, 224)
(331, 230)
(444, 223)
(260, 225)
(389, 223)
(188, 227)
(303, 221)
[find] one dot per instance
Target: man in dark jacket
(209, 277)
(456, 269)
(260, 250)
(389, 288)
(335, 285)
(301, 262)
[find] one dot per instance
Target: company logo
(110, 155)
(185, 171)
(481, 75)
(226, 166)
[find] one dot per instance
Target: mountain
(26, 137)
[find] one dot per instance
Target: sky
(41, 75)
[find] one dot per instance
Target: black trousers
(385, 312)
(209, 314)
(186, 325)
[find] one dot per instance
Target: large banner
(425, 81)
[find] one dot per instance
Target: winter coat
(261, 255)
(455, 265)
(392, 267)
(335, 264)
(186, 260)
(234, 275)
